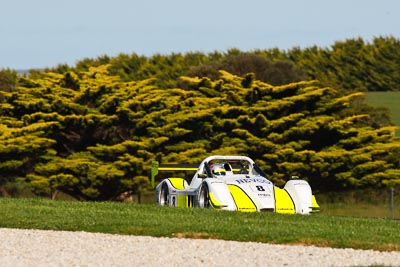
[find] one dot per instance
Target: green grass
(390, 100)
(152, 220)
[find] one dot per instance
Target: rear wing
(155, 167)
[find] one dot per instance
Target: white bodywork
(245, 189)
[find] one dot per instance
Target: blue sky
(45, 33)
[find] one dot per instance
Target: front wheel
(204, 197)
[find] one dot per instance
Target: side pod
(172, 192)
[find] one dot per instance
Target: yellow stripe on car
(314, 204)
(176, 169)
(177, 183)
(242, 200)
(283, 201)
(214, 202)
(182, 201)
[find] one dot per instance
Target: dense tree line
(351, 65)
(92, 133)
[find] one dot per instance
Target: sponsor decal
(300, 183)
(253, 180)
(217, 182)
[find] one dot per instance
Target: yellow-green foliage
(93, 135)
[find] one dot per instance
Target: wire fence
(382, 203)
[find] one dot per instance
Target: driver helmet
(218, 169)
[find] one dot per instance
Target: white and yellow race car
(232, 183)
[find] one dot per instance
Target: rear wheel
(204, 197)
(164, 194)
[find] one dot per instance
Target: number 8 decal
(260, 188)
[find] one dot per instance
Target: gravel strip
(62, 248)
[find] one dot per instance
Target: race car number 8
(260, 188)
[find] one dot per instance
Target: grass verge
(152, 220)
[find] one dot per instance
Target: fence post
(392, 202)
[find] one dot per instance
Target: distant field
(390, 100)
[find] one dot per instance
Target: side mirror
(202, 175)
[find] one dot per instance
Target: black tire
(204, 197)
(164, 195)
